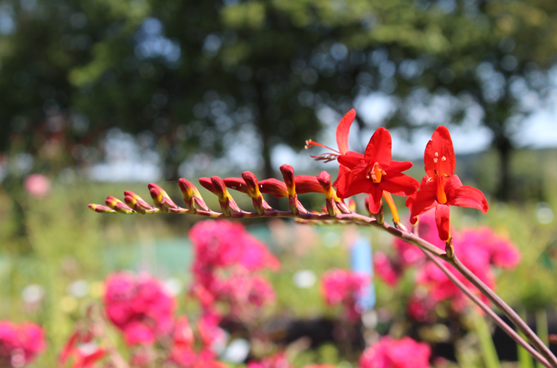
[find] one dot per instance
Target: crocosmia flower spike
(440, 188)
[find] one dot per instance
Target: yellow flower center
(375, 173)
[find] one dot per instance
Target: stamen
(325, 157)
(376, 173)
(310, 143)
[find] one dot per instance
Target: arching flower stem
(484, 307)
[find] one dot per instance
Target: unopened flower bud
(288, 176)
(118, 205)
(251, 184)
(216, 186)
(273, 186)
(191, 196)
(324, 180)
(138, 203)
(101, 209)
(307, 184)
(161, 198)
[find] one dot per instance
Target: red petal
(342, 170)
(350, 159)
(379, 148)
(398, 166)
(375, 199)
(207, 184)
(399, 184)
(236, 183)
(423, 200)
(442, 145)
(273, 186)
(307, 184)
(343, 129)
(354, 182)
(465, 196)
(442, 219)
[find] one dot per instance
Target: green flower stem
(486, 343)
(524, 360)
(541, 328)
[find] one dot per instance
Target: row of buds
(248, 183)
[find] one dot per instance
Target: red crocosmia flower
(440, 188)
(374, 172)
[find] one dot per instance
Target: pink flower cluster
(341, 287)
(389, 353)
(20, 344)
(225, 264)
(478, 249)
(139, 306)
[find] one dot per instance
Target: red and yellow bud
(101, 209)
(288, 176)
(161, 198)
(216, 186)
(118, 205)
(290, 183)
(252, 186)
(138, 203)
(248, 184)
(191, 196)
(324, 180)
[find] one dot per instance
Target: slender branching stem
(484, 307)
(508, 311)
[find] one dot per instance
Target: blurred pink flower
(502, 252)
(226, 259)
(37, 185)
(389, 353)
(139, 306)
(341, 286)
(420, 308)
(385, 268)
(224, 243)
(242, 291)
(20, 344)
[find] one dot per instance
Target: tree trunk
(504, 148)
